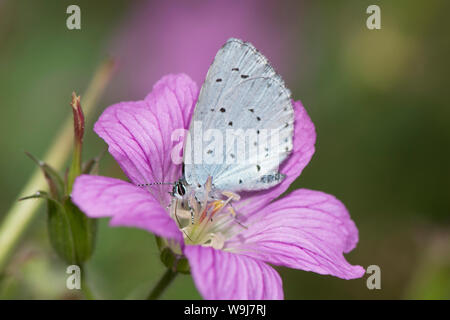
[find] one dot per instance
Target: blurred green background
(378, 98)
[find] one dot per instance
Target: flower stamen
(206, 223)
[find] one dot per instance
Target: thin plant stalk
(162, 284)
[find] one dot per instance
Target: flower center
(209, 223)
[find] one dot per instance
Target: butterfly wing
(241, 98)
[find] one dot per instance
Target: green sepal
(37, 195)
(91, 166)
(72, 234)
(183, 266)
(171, 260)
(168, 258)
(60, 231)
(161, 243)
(55, 182)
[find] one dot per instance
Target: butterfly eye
(180, 189)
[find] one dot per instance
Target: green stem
(21, 213)
(75, 167)
(87, 292)
(162, 284)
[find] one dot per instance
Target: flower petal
(221, 275)
(308, 230)
(139, 133)
(304, 140)
(127, 204)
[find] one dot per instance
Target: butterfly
(243, 98)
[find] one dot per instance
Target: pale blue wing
(241, 92)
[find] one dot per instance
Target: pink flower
(306, 229)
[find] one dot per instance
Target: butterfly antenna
(154, 183)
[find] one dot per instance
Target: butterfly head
(179, 189)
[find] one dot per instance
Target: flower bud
(78, 125)
(72, 234)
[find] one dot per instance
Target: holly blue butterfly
(242, 93)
